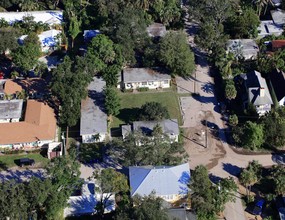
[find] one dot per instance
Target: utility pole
(206, 137)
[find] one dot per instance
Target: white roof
(269, 28)
(47, 38)
(278, 16)
(49, 17)
(245, 47)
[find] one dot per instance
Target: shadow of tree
(3, 166)
(129, 115)
(232, 169)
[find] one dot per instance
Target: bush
(143, 89)
(13, 152)
(128, 90)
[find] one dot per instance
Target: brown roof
(11, 87)
(39, 124)
(278, 43)
(31, 85)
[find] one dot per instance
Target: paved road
(221, 160)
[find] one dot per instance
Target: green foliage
(153, 111)
(41, 198)
(8, 39)
(112, 101)
(139, 149)
(244, 24)
(233, 120)
(274, 125)
(208, 199)
(176, 54)
(26, 56)
(230, 90)
(74, 28)
(143, 89)
(279, 179)
(69, 85)
(250, 135)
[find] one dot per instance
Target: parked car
(257, 208)
(26, 162)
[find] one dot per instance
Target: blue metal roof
(163, 180)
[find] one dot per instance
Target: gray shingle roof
(143, 75)
(11, 108)
(164, 180)
(254, 82)
(278, 16)
(93, 118)
(169, 126)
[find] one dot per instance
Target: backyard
(131, 103)
(8, 161)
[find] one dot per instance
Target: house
(169, 127)
(257, 92)
(48, 39)
(278, 17)
(156, 30)
(269, 28)
(89, 34)
(180, 214)
(277, 79)
(243, 48)
(134, 78)
(85, 203)
(33, 87)
(37, 129)
(10, 111)
(93, 121)
(277, 44)
(47, 17)
(168, 182)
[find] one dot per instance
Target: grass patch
(131, 103)
(7, 161)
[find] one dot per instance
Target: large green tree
(112, 101)
(279, 179)
(26, 56)
(139, 149)
(230, 90)
(8, 39)
(176, 54)
(153, 111)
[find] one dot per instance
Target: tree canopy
(176, 54)
(153, 111)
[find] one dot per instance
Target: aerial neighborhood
(144, 110)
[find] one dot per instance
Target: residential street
(205, 129)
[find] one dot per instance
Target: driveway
(20, 175)
(204, 134)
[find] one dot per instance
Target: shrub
(143, 89)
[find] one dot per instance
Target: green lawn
(131, 102)
(7, 161)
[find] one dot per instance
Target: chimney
(262, 92)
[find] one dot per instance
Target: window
(150, 82)
(144, 83)
(129, 85)
(165, 81)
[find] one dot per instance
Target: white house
(48, 17)
(277, 79)
(48, 39)
(134, 78)
(93, 121)
(169, 127)
(10, 110)
(269, 28)
(243, 48)
(37, 129)
(168, 182)
(257, 92)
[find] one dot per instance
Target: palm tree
(248, 178)
(261, 4)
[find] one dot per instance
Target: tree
(112, 101)
(73, 29)
(153, 111)
(128, 29)
(230, 90)
(233, 120)
(176, 54)
(279, 179)
(8, 39)
(109, 182)
(139, 149)
(29, 5)
(69, 85)
(26, 56)
(262, 5)
(274, 125)
(250, 175)
(253, 135)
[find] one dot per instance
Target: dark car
(257, 208)
(26, 162)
